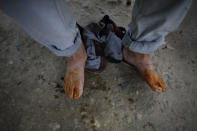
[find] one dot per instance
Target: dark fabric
(105, 35)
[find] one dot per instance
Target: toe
(154, 81)
(70, 92)
(157, 89)
(68, 88)
(158, 85)
(77, 91)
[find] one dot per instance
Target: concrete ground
(31, 82)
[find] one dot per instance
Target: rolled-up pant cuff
(143, 47)
(151, 21)
(69, 51)
(51, 23)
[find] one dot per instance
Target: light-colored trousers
(51, 23)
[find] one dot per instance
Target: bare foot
(74, 78)
(144, 65)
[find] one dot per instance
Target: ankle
(141, 61)
(79, 57)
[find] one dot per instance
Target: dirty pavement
(31, 81)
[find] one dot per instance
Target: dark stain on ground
(84, 108)
(56, 96)
(41, 77)
(108, 100)
(193, 62)
(19, 83)
(131, 100)
(128, 2)
(62, 78)
(59, 86)
(98, 84)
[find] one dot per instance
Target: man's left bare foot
(144, 65)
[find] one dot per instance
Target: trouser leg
(50, 22)
(151, 21)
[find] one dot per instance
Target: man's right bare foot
(74, 78)
(144, 65)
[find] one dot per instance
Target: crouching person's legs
(152, 20)
(52, 24)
